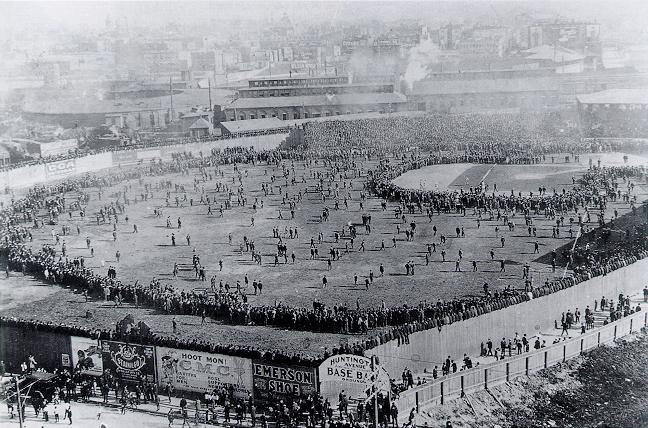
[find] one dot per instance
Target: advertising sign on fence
(351, 373)
(203, 372)
(86, 355)
(148, 154)
(129, 361)
(272, 380)
(124, 157)
(60, 169)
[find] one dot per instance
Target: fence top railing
(407, 395)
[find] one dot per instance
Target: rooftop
(616, 96)
(200, 124)
(250, 125)
(553, 53)
(318, 100)
(481, 86)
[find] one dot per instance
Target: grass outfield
(149, 253)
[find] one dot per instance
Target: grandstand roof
(319, 100)
(480, 86)
(616, 96)
(356, 116)
(251, 125)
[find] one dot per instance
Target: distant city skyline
(80, 15)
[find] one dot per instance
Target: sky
(26, 16)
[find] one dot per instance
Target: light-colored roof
(356, 116)
(616, 96)
(551, 53)
(59, 101)
(200, 124)
(481, 86)
(250, 125)
(318, 100)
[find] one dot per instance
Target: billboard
(203, 372)
(60, 169)
(58, 147)
(86, 355)
(273, 380)
(124, 157)
(148, 154)
(128, 361)
(351, 373)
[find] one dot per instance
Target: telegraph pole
(20, 413)
(171, 92)
(209, 86)
(375, 400)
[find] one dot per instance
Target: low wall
(429, 348)
(486, 376)
(31, 175)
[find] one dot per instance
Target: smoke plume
(420, 57)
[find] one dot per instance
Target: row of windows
(314, 91)
(295, 115)
(299, 82)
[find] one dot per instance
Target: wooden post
(545, 359)
(462, 386)
(508, 372)
(582, 344)
(442, 393)
(564, 353)
(615, 331)
(526, 364)
(631, 325)
(486, 379)
(417, 402)
(598, 339)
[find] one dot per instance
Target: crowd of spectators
(461, 138)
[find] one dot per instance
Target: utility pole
(171, 92)
(209, 86)
(20, 413)
(375, 400)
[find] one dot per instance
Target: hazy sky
(34, 16)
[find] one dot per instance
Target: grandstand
(614, 113)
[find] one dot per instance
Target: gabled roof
(558, 54)
(200, 124)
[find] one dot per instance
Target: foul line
(572, 251)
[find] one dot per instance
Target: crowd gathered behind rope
(392, 323)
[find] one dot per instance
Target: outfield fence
(486, 376)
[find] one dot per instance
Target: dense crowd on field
(474, 138)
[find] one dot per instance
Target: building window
(295, 115)
(263, 116)
(306, 115)
(252, 116)
(337, 113)
(284, 116)
(242, 117)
